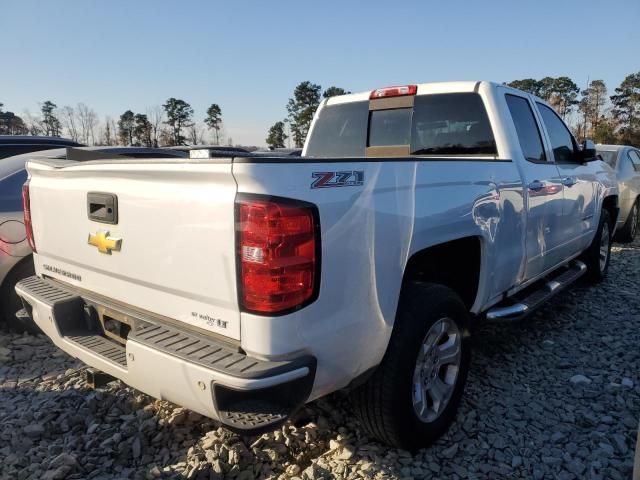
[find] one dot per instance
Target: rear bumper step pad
(247, 394)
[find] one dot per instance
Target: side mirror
(588, 151)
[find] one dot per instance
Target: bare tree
(196, 134)
(88, 120)
(69, 122)
(33, 124)
(156, 118)
(109, 132)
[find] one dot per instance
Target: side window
(527, 128)
(451, 124)
(562, 142)
(635, 159)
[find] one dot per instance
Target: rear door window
(340, 131)
(526, 128)
(451, 124)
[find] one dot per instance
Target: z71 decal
(337, 179)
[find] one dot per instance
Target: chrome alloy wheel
(605, 240)
(436, 371)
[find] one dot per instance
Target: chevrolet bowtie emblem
(104, 242)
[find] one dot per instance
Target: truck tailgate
(171, 250)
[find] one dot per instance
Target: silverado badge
(104, 242)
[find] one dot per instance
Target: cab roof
(423, 88)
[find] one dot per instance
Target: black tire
(628, 232)
(385, 403)
(597, 270)
(11, 302)
(636, 460)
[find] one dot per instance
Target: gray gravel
(557, 397)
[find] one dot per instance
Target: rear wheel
(598, 255)
(11, 302)
(414, 394)
(628, 232)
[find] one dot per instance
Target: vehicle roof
(36, 140)
(601, 146)
(423, 88)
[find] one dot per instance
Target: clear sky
(247, 56)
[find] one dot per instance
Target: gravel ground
(557, 397)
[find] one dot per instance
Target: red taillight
(26, 208)
(399, 91)
(278, 250)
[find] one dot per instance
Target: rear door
(579, 182)
(543, 189)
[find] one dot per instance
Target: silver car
(625, 160)
(15, 254)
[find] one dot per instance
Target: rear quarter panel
(368, 234)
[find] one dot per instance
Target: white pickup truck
(244, 286)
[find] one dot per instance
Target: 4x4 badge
(104, 242)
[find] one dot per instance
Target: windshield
(437, 124)
(609, 156)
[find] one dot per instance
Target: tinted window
(609, 157)
(451, 124)
(340, 131)
(561, 139)
(389, 127)
(635, 159)
(527, 128)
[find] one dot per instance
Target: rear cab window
(340, 131)
(437, 124)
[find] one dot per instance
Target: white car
(625, 160)
(242, 286)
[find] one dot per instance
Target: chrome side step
(524, 307)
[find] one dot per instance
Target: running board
(526, 306)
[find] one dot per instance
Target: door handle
(102, 207)
(569, 181)
(536, 185)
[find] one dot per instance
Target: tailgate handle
(102, 207)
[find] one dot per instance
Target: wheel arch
(456, 264)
